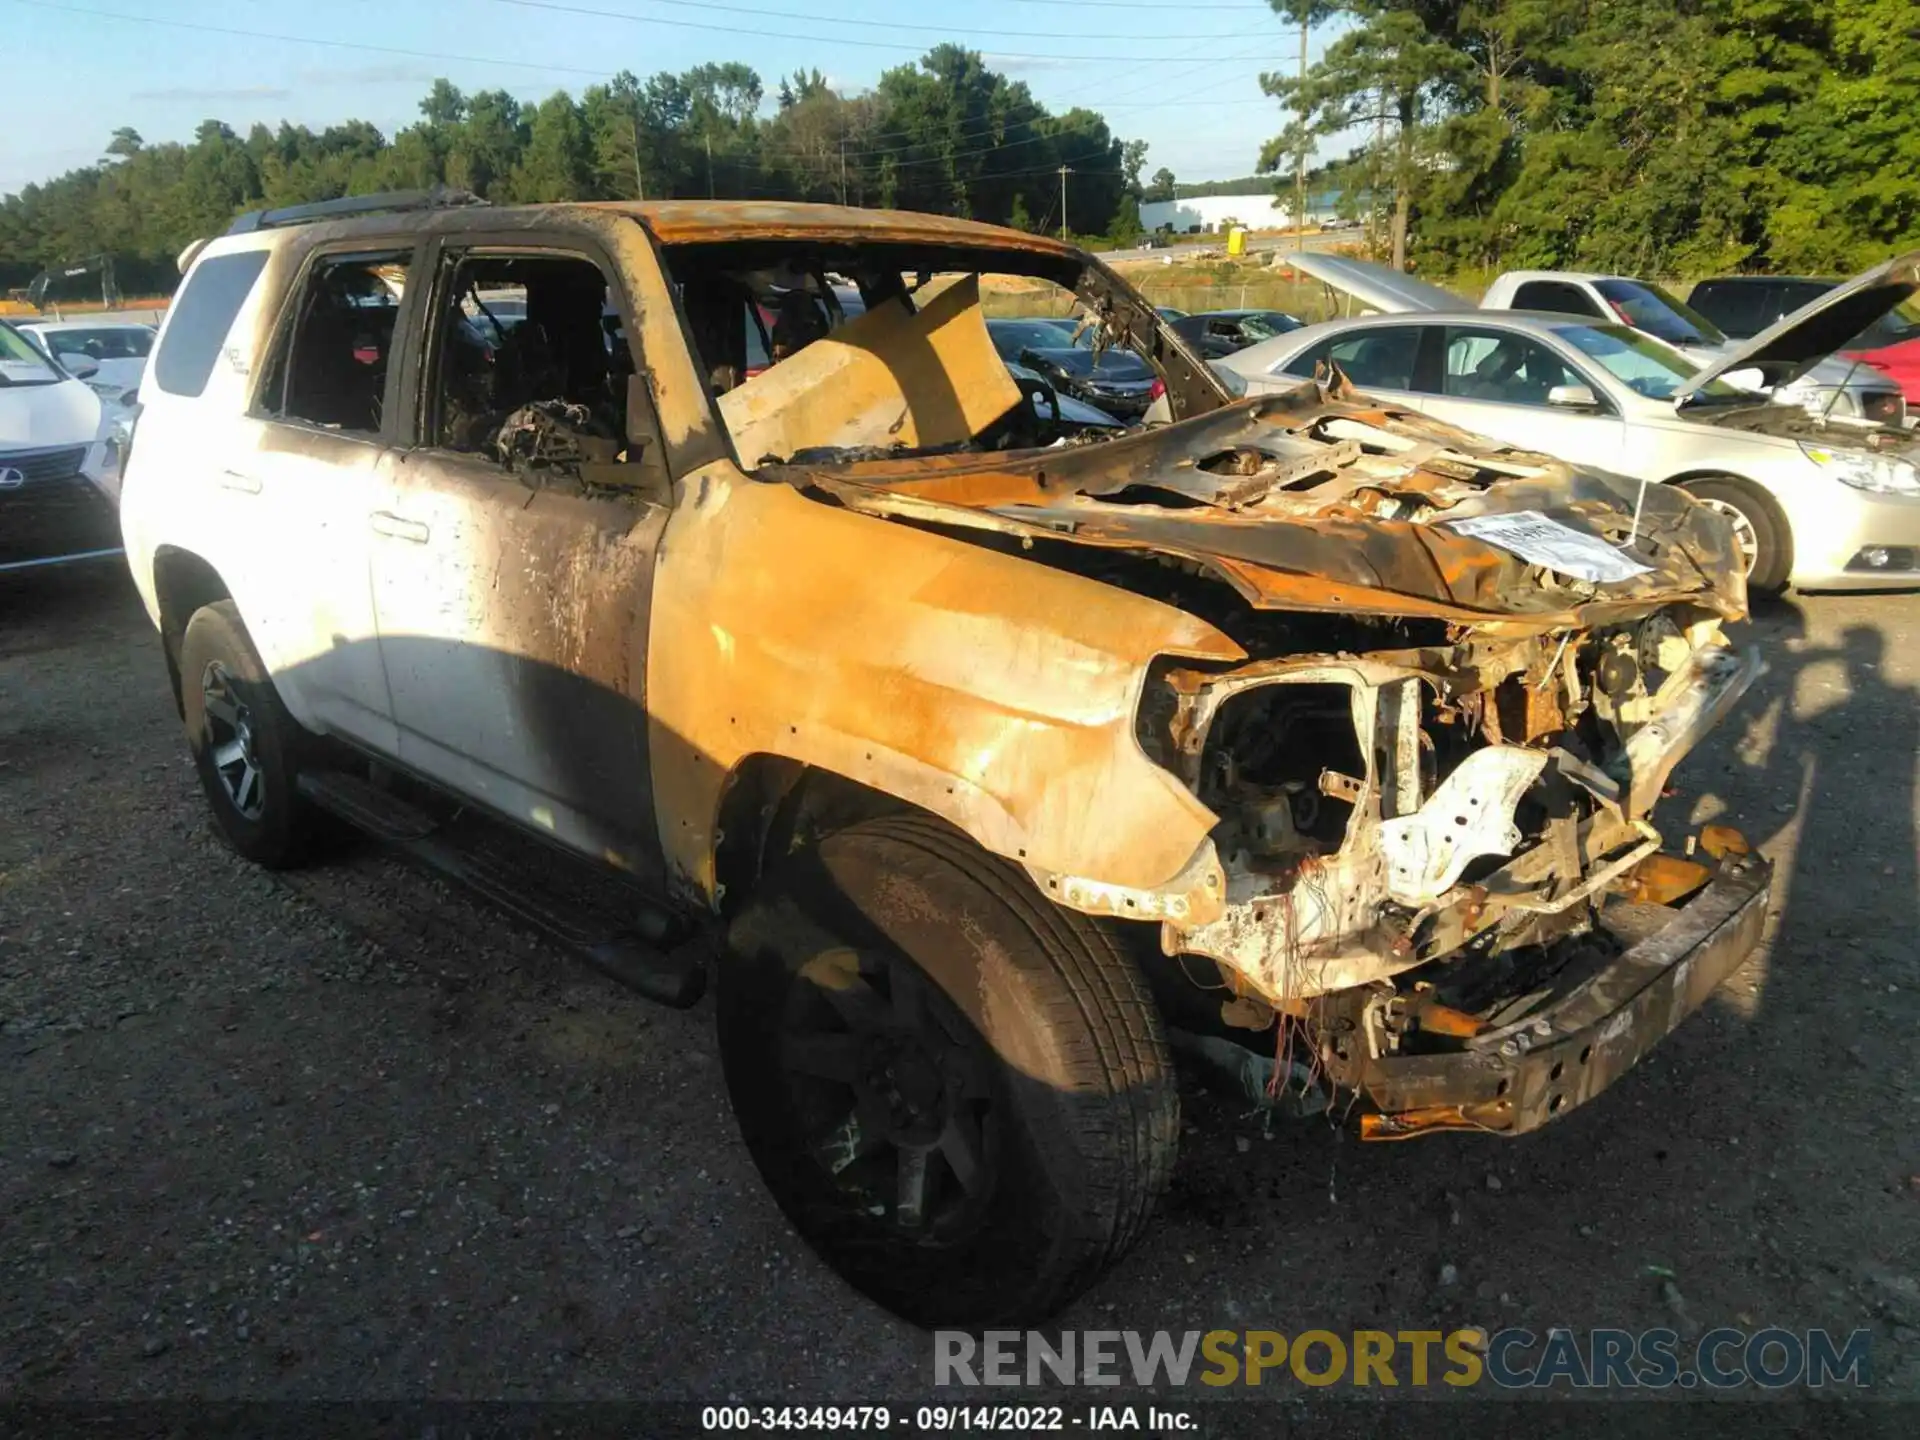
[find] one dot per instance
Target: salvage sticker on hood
(1541, 541)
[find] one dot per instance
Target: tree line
(945, 134)
(1646, 136)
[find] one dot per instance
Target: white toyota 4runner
(984, 756)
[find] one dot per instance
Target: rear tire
(245, 745)
(1758, 525)
(960, 1094)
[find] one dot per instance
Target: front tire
(245, 745)
(960, 1094)
(1759, 529)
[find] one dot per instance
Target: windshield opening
(1649, 308)
(1642, 363)
(819, 352)
(23, 364)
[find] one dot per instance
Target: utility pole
(843, 168)
(709, 140)
(1065, 170)
(639, 179)
(1373, 173)
(1300, 159)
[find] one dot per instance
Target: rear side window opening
(200, 319)
(331, 369)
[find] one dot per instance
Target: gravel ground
(345, 1134)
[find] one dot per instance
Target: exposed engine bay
(1433, 775)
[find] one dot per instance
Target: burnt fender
(995, 693)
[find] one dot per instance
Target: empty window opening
(926, 351)
(333, 368)
(529, 361)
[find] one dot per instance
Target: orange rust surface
(1721, 841)
(1295, 549)
(994, 692)
(1663, 880)
(1412, 1124)
(678, 222)
(1438, 1019)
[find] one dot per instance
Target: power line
(882, 152)
(759, 34)
(195, 26)
(835, 20)
(599, 74)
(989, 127)
(1160, 5)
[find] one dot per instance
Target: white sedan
(111, 353)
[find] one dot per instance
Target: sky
(1182, 76)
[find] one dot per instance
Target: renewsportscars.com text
(1770, 1358)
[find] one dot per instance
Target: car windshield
(1265, 324)
(1642, 363)
(1896, 327)
(21, 363)
(115, 342)
(1649, 308)
(1011, 337)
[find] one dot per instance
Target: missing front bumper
(1517, 1078)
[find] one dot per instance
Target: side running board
(612, 944)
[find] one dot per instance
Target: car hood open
(1378, 287)
(1796, 344)
(1317, 500)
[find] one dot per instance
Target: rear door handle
(385, 522)
(234, 480)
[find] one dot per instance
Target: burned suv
(981, 758)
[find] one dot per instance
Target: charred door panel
(513, 624)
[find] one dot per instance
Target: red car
(1744, 305)
(1898, 360)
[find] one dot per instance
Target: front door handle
(385, 522)
(234, 480)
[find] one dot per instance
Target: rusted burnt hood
(1314, 500)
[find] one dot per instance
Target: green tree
(947, 134)
(557, 163)
(1397, 67)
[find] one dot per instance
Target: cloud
(367, 75)
(1029, 64)
(184, 92)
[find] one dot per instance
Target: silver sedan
(1815, 503)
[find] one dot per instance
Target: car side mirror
(81, 367)
(1572, 397)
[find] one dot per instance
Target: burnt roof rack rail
(440, 197)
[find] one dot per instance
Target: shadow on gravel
(44, 610)
(1830, 763)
